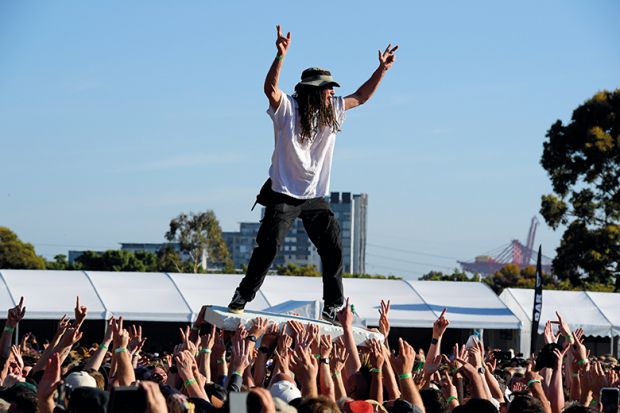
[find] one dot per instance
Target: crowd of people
(265, 367)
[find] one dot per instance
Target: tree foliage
(440, 276)
(582, 160)
(118, 260)
(199, 234)
(15, 254)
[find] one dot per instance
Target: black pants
(323, 230)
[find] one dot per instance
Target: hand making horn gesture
(282, 43)
(386, 59)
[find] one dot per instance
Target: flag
(537, 308)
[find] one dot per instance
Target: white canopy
(578, 308)
(178, 297)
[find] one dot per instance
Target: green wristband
(236, 373)
(9, 329)
(582, 362)
(189, 382)
(375, 370)
(404, 376)
(120, 350)
(205, 350)
(336, 374)
(449, 399)
(103, 347)
(279, 57)
(529, 383)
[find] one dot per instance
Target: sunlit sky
(116, 116)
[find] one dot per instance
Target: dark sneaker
(330, 314)
(237, 304)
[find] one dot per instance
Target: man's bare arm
(272, 91)
(361, 95)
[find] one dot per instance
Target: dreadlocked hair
(314, 112)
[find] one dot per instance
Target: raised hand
(339, 357)
(345, 315)
(155, 401)
(50, 379)
(80, 312)
(16, 314)
(384, 322)
(386, 58)
(440, 325)
(325, 346)
(259, 326)
(550, 337)
(403, 362)
(208, 340)
(282, 43)
(376, 353)
(136, 341)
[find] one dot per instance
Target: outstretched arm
(272, 91)
(361, 95)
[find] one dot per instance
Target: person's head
(434, 402)
(476, 406)
(319, 404)
(525, 404)
(314, 95)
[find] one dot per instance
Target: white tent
(178, 297)
(598, 314)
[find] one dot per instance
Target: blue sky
(116, 116)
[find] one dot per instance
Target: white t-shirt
(301, 170)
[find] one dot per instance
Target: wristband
(205, 350)
(569, 338)
(317, 356)
(263, 349)
(103, 347)
(120, 350)
(220, 361)
(279, 57)
(582, 362)
(324, 360)
(336, 374)
(9, 329)
(529, 383)
(404, 376)
(375, 370)
(236, 373)
(594, 402)
(189, 382)
(449, 399)
(434, 341)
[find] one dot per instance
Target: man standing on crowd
(305, 126)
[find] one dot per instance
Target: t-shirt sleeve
(339, 109)
(283, 112)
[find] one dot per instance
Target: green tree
(512, 276)
(60, 263)
(199, 234)
(16, 254)
(118, 260)
(582, 159)
(298, 270)
(440, 276)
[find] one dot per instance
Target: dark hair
(314, 112)
(476, 406)
(434, 402)
(525, 404)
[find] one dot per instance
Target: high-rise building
(350, 211)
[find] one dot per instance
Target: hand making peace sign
(282, 43)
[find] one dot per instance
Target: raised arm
(272, 91)
(361, 95)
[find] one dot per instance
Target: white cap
(285, 390)
(80, 379)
